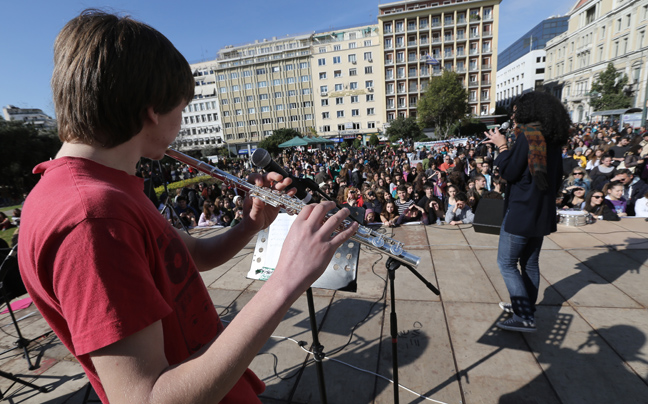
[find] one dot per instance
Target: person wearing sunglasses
(595, 205)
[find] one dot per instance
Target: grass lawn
(7, 234)
(9, 209)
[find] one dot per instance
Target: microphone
(262, 159)
(502, 127)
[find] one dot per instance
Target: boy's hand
(257, 215)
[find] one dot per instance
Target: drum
(572, 217)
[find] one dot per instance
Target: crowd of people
(604, 173)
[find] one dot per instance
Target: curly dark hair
(542, 107)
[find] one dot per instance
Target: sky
(198, 30)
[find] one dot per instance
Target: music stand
(21, 343)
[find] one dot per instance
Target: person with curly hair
(532, 168)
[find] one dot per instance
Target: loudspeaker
(489, 216)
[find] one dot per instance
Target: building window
(353, 85)
(354, 98)
(265, 109)
(368, 69)
(303, 65)
(371, 125)
(352, 45)
(336, 60)
(305, 79)
(352, 58)
(338, 87)
(326, 128)
(290, 80)
(324, 102)
(369, 84)
(353, 72)
(277, 94)
(292, 93)
(337, 48)
(367, 42)
(279, 107)
(308, 117)
(337, 74)
(371, 111)
(321, 62)
(340, 114)
(248, 86)
(306, 91)
(322, 76)
(251, 111)
(261, 70)
(325, 115)
(355, 112)
(339, 101)
(276, 82)
(369, 97)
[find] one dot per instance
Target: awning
(611, 112)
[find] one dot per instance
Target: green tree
(469, 126)
(607, 91)
(22, 148)
(403, 128)
(279, 136)
(444, 103)
(373, 140)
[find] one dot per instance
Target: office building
(600, 32)
(460, 35)
(521, 66)
(347, 80)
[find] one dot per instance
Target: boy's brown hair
(107, 71)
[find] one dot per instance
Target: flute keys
(378, 241)
(396, 249)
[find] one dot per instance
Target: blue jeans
(522, 284)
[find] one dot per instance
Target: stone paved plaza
(590, 346)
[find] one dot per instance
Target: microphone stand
(392, 265)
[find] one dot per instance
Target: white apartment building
(201, 125)
(31, 116)
(460, 34)
(600, 32)
(522, 76)
(347, 81)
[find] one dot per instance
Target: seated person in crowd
(208, 217)
(633, 188)
(389, 215)
(187, 213)
(461, 212)
(434, 210)
(573, 198)
(372, 202)
(602, 173)
(600, 210)
(408, 211)
(615, 199)
(641, 206)
(577, 177)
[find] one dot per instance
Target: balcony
(473, 68)
(411, 44)
(485, 83)
(388, 47)
(473, 84)
(461, 21)
(486, 66)
(411, 27)
(448, 55)
(485, 99)
(401, 91)
(448, 39)
(413, 89)
(423, 26)
(460, 70)
(461, 38)
(448, 22)
(400, 45)
(436, 24)
(424, 42)
(437, 72)
(472, 99)
(474, 35)
(461, 54)
(487, 50)
(473, 52)
(412, 59)
(389, 62)
(487, 34)
(488, 17)
(436, 40)
(391, 77)
(400, 60)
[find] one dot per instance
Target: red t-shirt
(101, 263)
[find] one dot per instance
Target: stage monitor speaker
(489, 216)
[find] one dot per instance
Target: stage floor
(590, 346)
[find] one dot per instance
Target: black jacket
(530, 212)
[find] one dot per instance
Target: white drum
(572, 217)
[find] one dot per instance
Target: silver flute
(293, 205)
